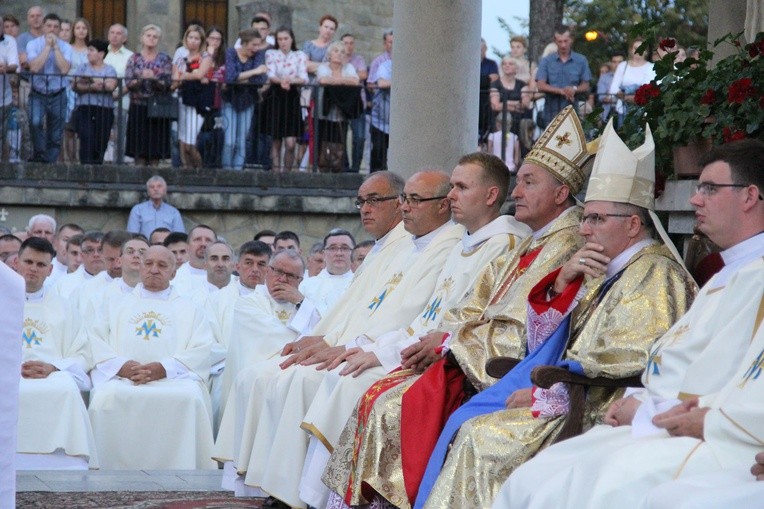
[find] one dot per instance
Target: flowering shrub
(694, 100)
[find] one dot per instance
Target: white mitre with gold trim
(621, 175)
(562, 151)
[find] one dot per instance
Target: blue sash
(494, 398)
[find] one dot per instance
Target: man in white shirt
(90, 292)
(92, 264)
(117, 57)
(219, 263)
(60, 266)
(151, 352)
(193, 275)
(9, 62)
(177, 243)
(326, 288)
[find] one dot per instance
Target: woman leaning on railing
(148, 74)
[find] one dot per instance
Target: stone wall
(366, 19)
(235, 204)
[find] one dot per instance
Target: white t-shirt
(628, 79)
(9, 55)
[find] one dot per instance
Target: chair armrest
(497, 367)
(546, 376)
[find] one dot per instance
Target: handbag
(330, 157)
(163, 106)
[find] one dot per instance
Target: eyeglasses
(414, 201)
(598, 219)
(710, 188)
(373, 201)
(293, 278)
(340, 249)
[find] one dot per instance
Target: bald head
(426, 207)
(157, 269)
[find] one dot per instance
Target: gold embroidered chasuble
(489, 321)
(709, 350)
(610, 339)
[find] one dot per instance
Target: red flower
(667, 44)
(709, 97)
(730, 135)
(646, 92)
(741, 90)
(753, 50)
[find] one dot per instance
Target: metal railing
(330, 128)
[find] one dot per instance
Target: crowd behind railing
(262, 103)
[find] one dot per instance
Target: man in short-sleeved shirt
(561, 76)
(49, 60)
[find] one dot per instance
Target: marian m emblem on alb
(149, 324)
(33, 332)
(385, 293)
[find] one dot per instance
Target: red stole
(431, 400)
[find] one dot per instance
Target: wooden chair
(546, 376)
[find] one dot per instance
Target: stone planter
(686, 158)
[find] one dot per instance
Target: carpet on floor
(134, 500)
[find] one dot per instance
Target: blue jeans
(236, 125)
(47, 114)
(358, 128)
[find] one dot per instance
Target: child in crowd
(511, 155)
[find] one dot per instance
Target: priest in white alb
(380, 216)
(699, 411)
(251, 265)
(327, 287)
(262, 324)
(150, 407)
(479, 188)
(54, 429)
(398, 298)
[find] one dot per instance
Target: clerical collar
(381, 241)
(542, 231)
(160, 295)
(500, 225)
(36, 296)
(244, 290)
(736, 257)
(617, 264)
(420, 243)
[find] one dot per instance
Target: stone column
(436, 72)
(724, 16)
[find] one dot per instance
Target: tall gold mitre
(621, 175)
(562, 150)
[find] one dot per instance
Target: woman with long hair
(245, 71)
(80, 40)
(148, 73)
(282, 118)
(510, 94)
(209, 143)
(187, 74)
(628, 77)
(94, 84)
(334, 104)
